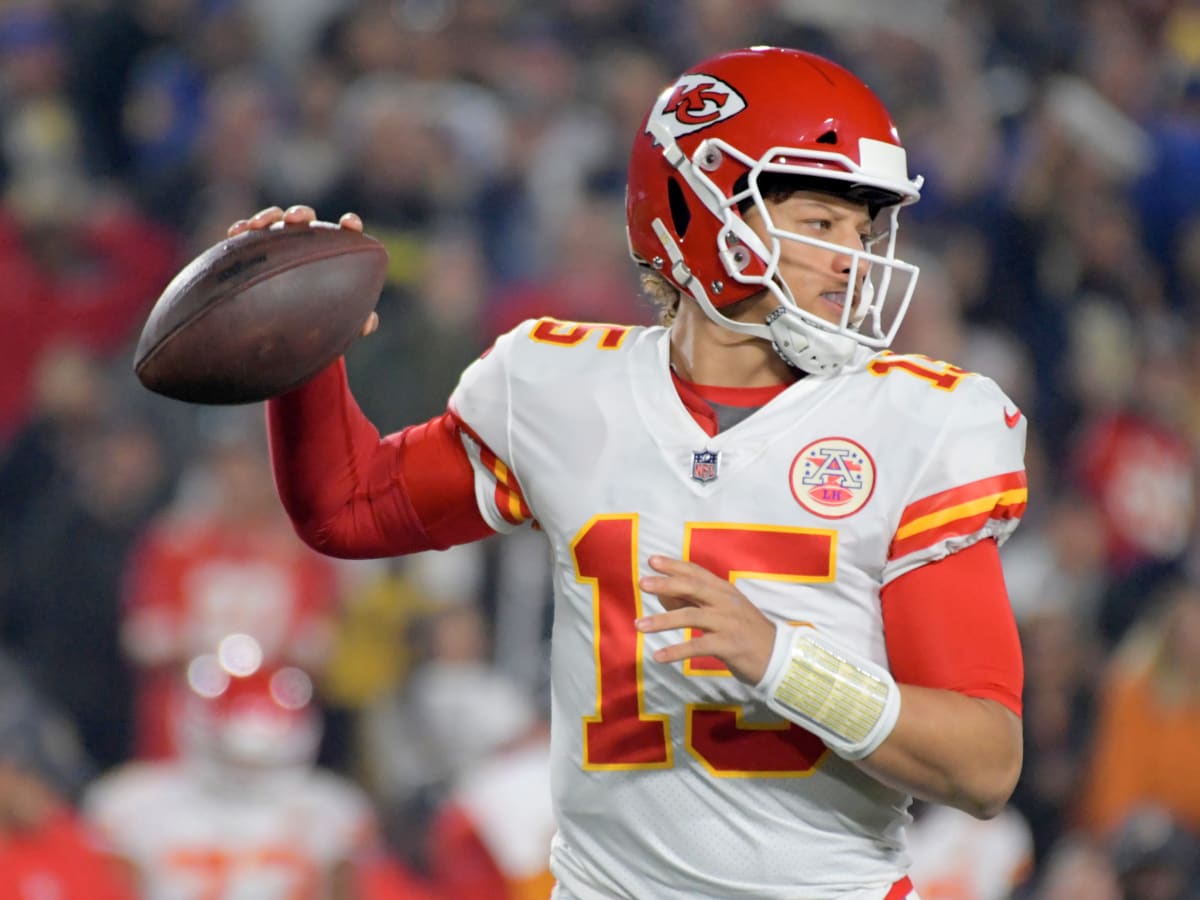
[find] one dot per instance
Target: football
(260, 313)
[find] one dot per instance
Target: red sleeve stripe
(958, 511)
(509, 500)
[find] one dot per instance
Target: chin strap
(850, 703)
(807, 348)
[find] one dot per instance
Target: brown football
(260, 313)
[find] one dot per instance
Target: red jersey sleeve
(949, 625)
(353, 494)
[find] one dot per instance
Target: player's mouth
(835, 299)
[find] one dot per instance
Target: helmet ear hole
(829, 137)
(681, 216)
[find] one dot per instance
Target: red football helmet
(705, 145)
(259, 720)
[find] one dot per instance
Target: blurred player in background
(779, 609)
(221, 560)
(243, 812)
(490, 837)
(956, 857)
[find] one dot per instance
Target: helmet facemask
(805, 340)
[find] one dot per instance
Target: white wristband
(850, 703)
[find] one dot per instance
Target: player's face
(818, 278)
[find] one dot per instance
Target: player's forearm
(952, 749)
(330, 472)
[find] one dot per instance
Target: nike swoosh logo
(1011, 419)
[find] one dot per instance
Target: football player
(779, 608)
(243, 812)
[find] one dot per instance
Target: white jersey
(675, 781)
(188, 839)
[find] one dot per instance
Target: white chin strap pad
(808, 348)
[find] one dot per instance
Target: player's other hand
(300, 215)
(733, 629)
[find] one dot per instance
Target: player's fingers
(673, 653)
(687, 617)
(370, 325)
(669, 566)
(351, 221)
(678, 568)
(672, 592)
(238, 227)
(299, 214)
(266, 217)
(689, 649)
(684, 582)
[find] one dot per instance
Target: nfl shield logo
(704, 465)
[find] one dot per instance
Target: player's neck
(703, 352)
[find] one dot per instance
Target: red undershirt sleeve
(949, 625)
(351, 493)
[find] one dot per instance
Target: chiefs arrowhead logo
(1011, 419)
(695, 102)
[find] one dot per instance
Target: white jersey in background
(674, 781)
(186, 838)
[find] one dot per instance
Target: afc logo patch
(704, 465)
(695, 102)
(833, 477)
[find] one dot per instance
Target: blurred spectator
(45, 850)
(78, 261)
(1078, 869)
(76, 266)
(1058, 566)
(243, 812)
(1062, 662)
(430, 328)
(62, 606)
(37, 737)
(222, 560)
(71, 395)
(414, 739)
(1148, 718)
(370, 657)
(1155, 857)
(587, 281)
(305, 155)
(223, 167)
(1138, 465)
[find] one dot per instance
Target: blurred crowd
(149, 583)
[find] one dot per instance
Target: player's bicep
(949, 625)
(438, 479)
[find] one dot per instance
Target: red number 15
(623, 734)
